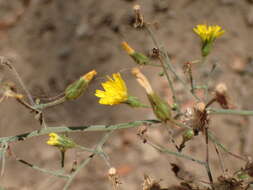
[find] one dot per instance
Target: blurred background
(52, 42)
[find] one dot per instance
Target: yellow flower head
(115, 91)
(60, 141)
(208, 33)
(54, 139)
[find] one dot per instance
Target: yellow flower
(208, 33)
(60, 141)
(115, 91)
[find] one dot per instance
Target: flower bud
(135, 102)
(160, 107)
(77, 88)
(139, 58)
(60, 141)
(188, 135)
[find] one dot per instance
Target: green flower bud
(135, 102)
(60, 141)
(77, 88)
(188, 135)
(140, 58)
(161, 108)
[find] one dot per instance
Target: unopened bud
(127, 48)
(77, 88)
(135, 102)
(188, 135)
(142, 80)
(160, 107)
(60, 141)
(138, 58)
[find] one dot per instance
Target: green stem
(87, 160)
(50, 104)
(170, 83)
(229, 112)
(167, 60)
(86, 128)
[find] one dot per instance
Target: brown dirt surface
(52, 42)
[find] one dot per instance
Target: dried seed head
(221, 95)
(112, 171)
(139, 20)
(137, 7)
(221, 88)
(200, 106)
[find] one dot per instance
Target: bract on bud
(60, 141)
(77, 88)
(139, 58)
(160, 107)
(188, 135)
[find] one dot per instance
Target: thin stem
(54, 173)
(50, 104)
(215, 141)
(6, 62)
(167, 59)
(169, 81)
(87, 128)
(209, 173)
(220, 159)
(229, 112)
(62, 158)
(73, 175)
(87, 160)
(178, 154)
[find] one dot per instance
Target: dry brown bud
(221, 95)
(139, 20)
(142, 80)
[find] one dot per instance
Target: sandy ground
(53, 42)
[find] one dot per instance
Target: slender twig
(3, 150)
(167, 59)
(229, 112)
(50, 104)
(209, 173)
(6, 62)
(178, 154)
(169, 81)
(54, 173)
(87, 160)
(220, 159)
(215, 141)
(87, 128)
